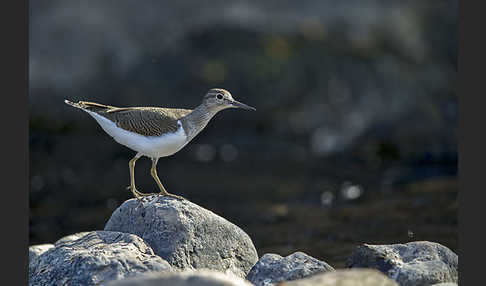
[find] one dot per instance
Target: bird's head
(219, 99)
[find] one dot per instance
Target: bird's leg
(132, 187)
(163, 191)
(131, 167)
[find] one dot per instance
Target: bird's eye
(219, 96)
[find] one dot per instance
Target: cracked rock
(95, 258)
(410, 264)
(273, 268)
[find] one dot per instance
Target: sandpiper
(157, 132)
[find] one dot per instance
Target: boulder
(344, 277)
(186, 278)
(94, 259)
(186, 235)
(273, 268)
(410, 264)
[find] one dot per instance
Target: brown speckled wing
(147, 121)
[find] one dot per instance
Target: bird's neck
(195, 121)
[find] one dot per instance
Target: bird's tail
(77, 105)
(87, 105)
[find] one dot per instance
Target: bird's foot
(139, 195)
(171, 195)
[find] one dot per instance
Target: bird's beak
(238, 104)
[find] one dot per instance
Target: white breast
(151, 146)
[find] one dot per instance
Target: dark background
(354, 137)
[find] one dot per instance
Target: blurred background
(353, 141)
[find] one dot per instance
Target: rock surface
(186, 235)
(36, 250)
(272, 268)
(445, 284)
(95, 258)
(347, 277)
(410, 264)
(186, 278)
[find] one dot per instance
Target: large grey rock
(344, 277)
(445, 284)
(186, 278)
(186, 235)
(410, 264)
(95, 258)
(36, 250)
(272, 268)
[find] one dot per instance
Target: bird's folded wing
(147, 121)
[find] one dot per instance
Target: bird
(157, 132)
